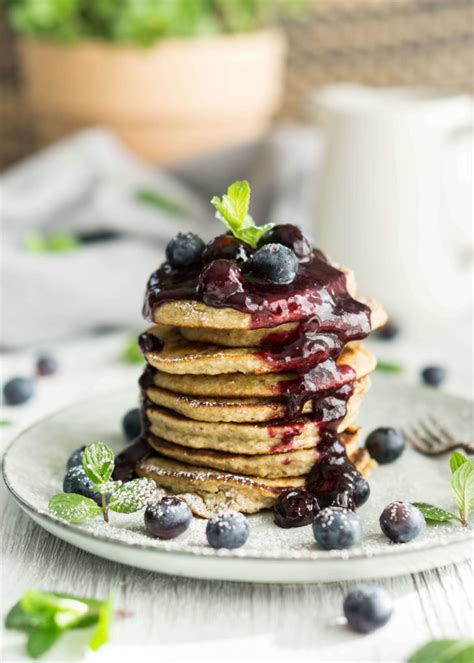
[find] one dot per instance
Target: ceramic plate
(34, 466)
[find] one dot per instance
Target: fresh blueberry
(361, 490)
(75, 458)
(433, 375)
(18, 390)
(77, 481)
(275, 263)
(335, 528)
(228, 248)
(367, 608)
(168, 517)
(220, 280)
(184, 250)
(290, 236)
(46, 365)
(295, 509)
(401, 522)
(385, 444)
(388, 331)
(132, 424)
(227, 530)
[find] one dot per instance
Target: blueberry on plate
(385, 445)
(361, 490)
(401, 522)
(290, 236)
(335, 528)
(367, 608)
(77, 481)
(220, 280)
(132, 424)
(46, 365)
(433, 376)
(295, 509)
(184, 250)
(75, 458)
(227, 247)
(168, 517)
(275, 263)
(227, 530)
(389, 331)
(18, 390)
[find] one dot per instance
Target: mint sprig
(233, 210)
(98, 463)
(462, 487)
(444, 651)
(45, 616)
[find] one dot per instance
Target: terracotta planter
(178, 99)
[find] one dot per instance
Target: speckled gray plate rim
(48, 443)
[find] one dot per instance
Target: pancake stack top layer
(253, 380)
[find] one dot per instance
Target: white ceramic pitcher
(395, 201)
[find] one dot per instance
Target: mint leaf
(389, 367)
(462, 485)
(444, 651)
(233, 211)
(156, 199)
(5, 422)
(98, 462)
(42, 639)
(132, 353)
(101, 634)
(434, 513)
(73, 508)
(57, 242)
(132, 496)
(45, 616)
(456, 460)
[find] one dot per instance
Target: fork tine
(441, 429)
(416, 442)
(433, 436)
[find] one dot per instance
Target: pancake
(238, 338)
(239, 409)
(269, 466)
(238, 385)
(194, 314)
(181, 357)
(210, 491)
(244, 438)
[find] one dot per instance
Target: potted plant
(173, 78)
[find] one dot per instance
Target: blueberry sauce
(317, 290)
(149, 343)
(126, 461)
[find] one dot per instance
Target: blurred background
(120, 120)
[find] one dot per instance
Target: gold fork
(429, 437)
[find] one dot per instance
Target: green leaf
(434, 513)
(20, 620)
(132, 496)
(57, 242)
(444, 651)
(456, 460)
(156, 199)
(462, 485)
(232, 210)
(132, 353)
(98, 462)
(101, 634)
(5, 422)
(42, 639)
(73, 508)
(389, 367)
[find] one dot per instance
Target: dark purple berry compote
(295, 509)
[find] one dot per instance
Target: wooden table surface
(176, 619)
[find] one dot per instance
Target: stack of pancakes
(214, 412)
